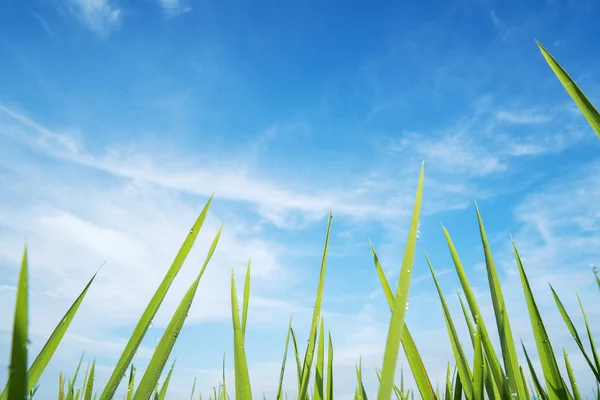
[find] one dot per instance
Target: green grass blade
(242, 378)
(539, 388)
(193, 390)
(448, 392)
(130, 383)
(319, 368)
(297, 357)
(362, 393)
(478, 369)
(458, 388)
(285, 351)
(590, 335)
(246, 300)
(576, 394)
(509, 353)
(89, 386)
(150, 311)
(552, 376)
(461, 360)
(224, 381)
(494, 363)
(574, 333)
(71, 390)
(330, 369)
(163, 390)
(396, 326)
(586, 107)
(17, 375)
(306, 367)
(525, 382)
(413, 356)
(61, 387)
(149, 380)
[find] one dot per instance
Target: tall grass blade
(574, 333)
(224, 381)
(362, 393)
(509, 353)
(586, 107)
(130, 383)
(478, 369)
(554, 380)
(461, 360)
(319, 368)
(163, 390)
(413, 356)
(297, 357)
(246, 300)
(149, 380)
(306, 367)
(89, 386)
(330, 369)
(285, 351)
(590, 335)
(193, 389)
(150, 311)
(539, 388)
(576, 393)
(71, 390)
(17, 375)
(396, 326)
(242, 378)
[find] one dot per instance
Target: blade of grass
(586, 107)
(246, 300)
(193, 389)
(362, 393)
(590, 335)
(285, 351)
(163, 390)
(297, 356)
(330, 369)
(131, 383)
(150, 311)
(89, 387)
(306, 367)
(478, 368)
(574, 333)
(396, 326)
(461, 360)
(413, 356)
(541, 392)
(224, 381)
(576, 394)
(242, 378)
(509, 353)
(17, 375)
(552, 376)
(319, 391)
(149, 380)
(71, 390)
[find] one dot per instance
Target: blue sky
(118, 119)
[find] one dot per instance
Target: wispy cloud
(100, 16)
(173, 8)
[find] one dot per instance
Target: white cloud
(100, 16)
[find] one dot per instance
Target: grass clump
(489, 375)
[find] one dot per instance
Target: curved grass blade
(297, 356)
(150, 311)
(285, 351)
(410, 348)
(590, 335)
(576, 394)
(163, 390)
(461, 360)
(319, 368)
(330, 369)
(574, 333)
(554, 380)
(306, 367)
(586, 107)
(17, 376)
(396, 326)
(89, 386)
(242, 378)
(492, 357)
(161, 354)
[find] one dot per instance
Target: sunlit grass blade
(590, 335)
(306, 367)
(297, 357)
(527, 393)
(509, 353)
(329, 368)
(448, 392)
(410, 349)
(150, 311)
(319, 367)
(246, 300)
(362, 393)
(283, 363)
(574, 333)
(163, 390)
(586, 107)
(461, 360)
(149, 380)
(17, 375)
(478, 369)
(458, 391)
(539, 388)
(130, 383)
(89, 385)
(493, 361)
(242, 378)
(71, 389)
(576, 394)
(61, 387)
(396, 326)
(552, 376)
